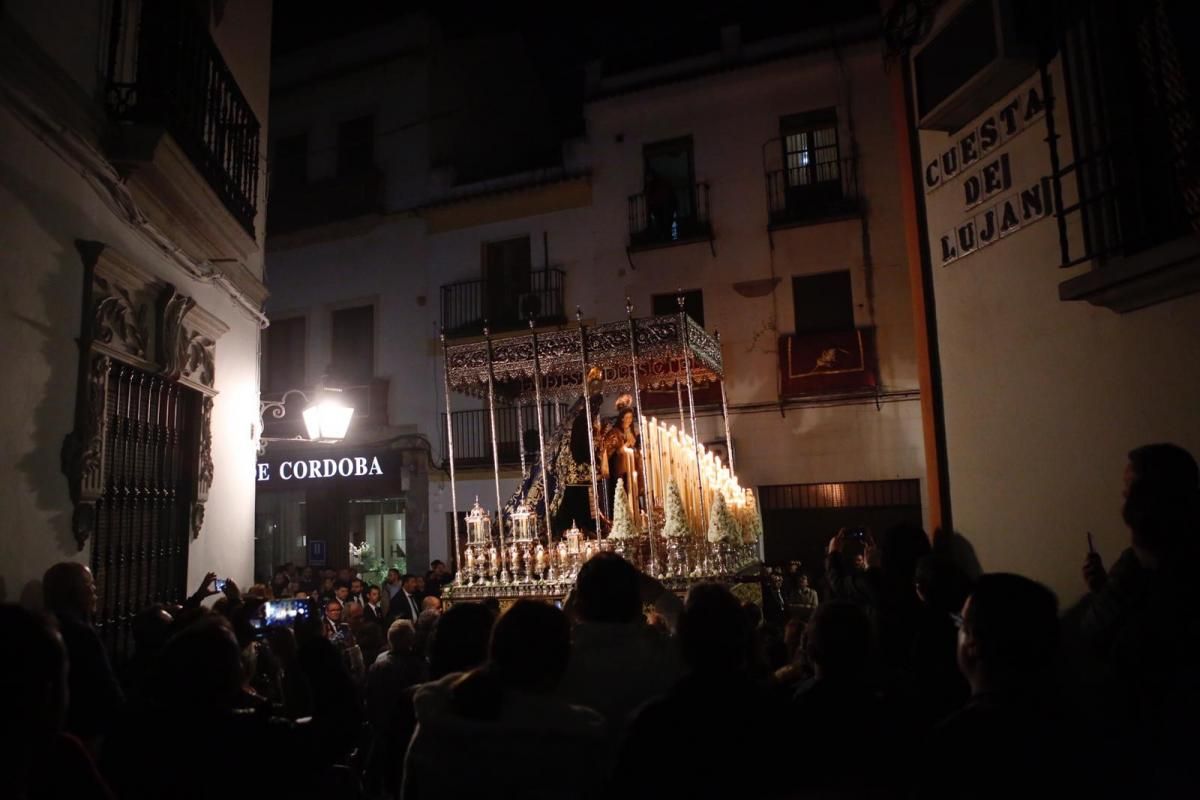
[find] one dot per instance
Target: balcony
(505, 306)
(814, 193)
(369, 401)
(683, 220)
(306, 205)
(473, 435)
(825, 363)
(166, 73)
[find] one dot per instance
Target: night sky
(562, 37)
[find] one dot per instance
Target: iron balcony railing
(678, 217)
(166, 70)
(813, 192)
(1127, 189)
(473, 435)
(504, 305)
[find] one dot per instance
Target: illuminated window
(810, 148)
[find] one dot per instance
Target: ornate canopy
(661, 343)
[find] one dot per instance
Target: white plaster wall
(45, 207)
(1044, 398)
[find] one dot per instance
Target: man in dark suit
(775, 605)
(358, 592)
(69, 591)
(372, 610)
(405, 604)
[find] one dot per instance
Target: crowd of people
(910, 677)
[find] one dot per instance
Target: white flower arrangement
(752, 530)
(622, 527)
(373, 568)
(721, 526)
(359, 552)
(675, 525)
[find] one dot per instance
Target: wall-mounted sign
(997, 221)
(316, 552)
(318, 468)
(994, 130)
(992, 207)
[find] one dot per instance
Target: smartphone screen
(219, 584)
(282, 612)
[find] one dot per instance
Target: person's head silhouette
(1008, 633)
(607, 590)
(714, 634)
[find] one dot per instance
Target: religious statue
(620, 449)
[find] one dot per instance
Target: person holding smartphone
(1139, 619)
(885, 589)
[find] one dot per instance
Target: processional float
(677, 512)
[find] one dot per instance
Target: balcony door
(506, 278)
(671, 164)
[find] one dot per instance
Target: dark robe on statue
(568, 472)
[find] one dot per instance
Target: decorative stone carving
(186, 353)
(83, 450)
(197, 519)
(117, 319)
(206, 460)
(92, 456)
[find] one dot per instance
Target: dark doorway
(800, 519)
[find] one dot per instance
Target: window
(356, 145)
(810, 148)
(693, 304)
(285, 342)
(353, 345)
(672, 206)
(380, 523)
(140, 503)
(1135, 212)
(290, 165)
(823, 302)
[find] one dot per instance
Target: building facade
(1061, 264)
(759, 180)
(134, 200)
